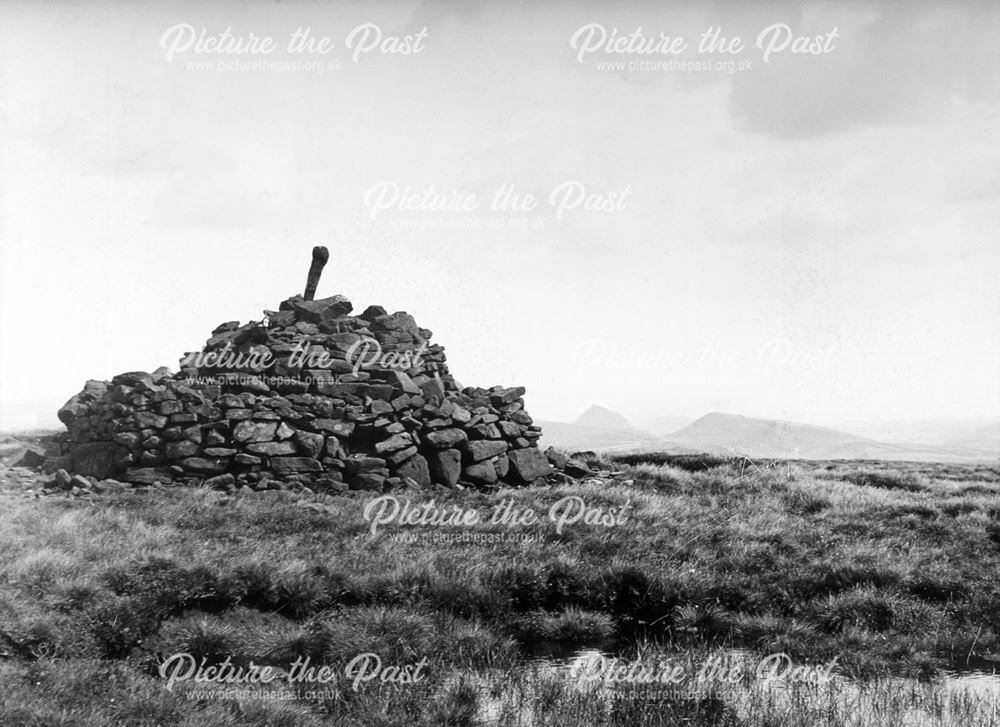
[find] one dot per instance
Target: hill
(732, 433)
(597, 417)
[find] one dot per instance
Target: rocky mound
(310, 395)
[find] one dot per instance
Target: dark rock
(280, 319)
(432, 388)
(357, 463)
(95, 459)
(171, 407)
(221, 482)
(334, 449)
(368, 481)
(148, 475)
(445, 438)
(481, 473)
(131, 439)
(334, 426)
(292, 465)
(460, 415)
(29, 455)
(445, 466)
(254, 431)
(510, 430)
(556, 459)
(181, 449)
(243, 381)
(310, 444)
(399, 321)
(132, 378)
(220, 452)
(577, 468)
(401, 456)
(416, 469)
(477, 451)
(521, 417)
(203, 465)
(227, 326)
(485, 431)
(381, 407)
(330, 482)
(372, 312)
(80, 482)
(528, 464)
(272, 448)
(315, 311)
(394, 443)
(506, 396)
(149, 420)
(62, 479)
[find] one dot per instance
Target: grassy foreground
(893, 572)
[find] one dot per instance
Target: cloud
(902, 61)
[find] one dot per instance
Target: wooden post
(320, 256)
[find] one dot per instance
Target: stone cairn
(310, 395)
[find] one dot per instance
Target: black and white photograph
(499, 363)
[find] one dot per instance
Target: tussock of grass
(570, 624)
(686, 462)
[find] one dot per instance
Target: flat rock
(445, 438)
(148, 475)
(293, 465)
(528, 464)
(204, 465)
(357, 464)
(255, 431)
(272, 448)
(478, 450)
(394, 444)
(576, 468)
(481, 473)
(316, 311)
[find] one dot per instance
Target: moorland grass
(892, 571)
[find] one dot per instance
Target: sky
(813, 237)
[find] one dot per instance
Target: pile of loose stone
(310, 395)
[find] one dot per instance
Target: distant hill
(597, 417)
(985, 437)
(978, 433)
(736, 434)
(732, 434)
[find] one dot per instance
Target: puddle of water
(554, 653)
(979, 673)
(969, 693)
